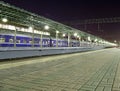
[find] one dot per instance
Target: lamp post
(79, 40)
(89, 40)
(46, 27)
(57, 38)
(41, 35)
(68, 39)
(32, 30)
(15, 37)
(63, 37)
(96, 41)
(75, 35)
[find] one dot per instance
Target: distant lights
(75, 34)
(96, 40)
(89, 39)
(78, 36)
(4, 20)
(63, 35)
(30, 28)
(46, 27)
(57, 31)
(115, 41)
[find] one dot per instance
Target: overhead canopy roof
(20, 17)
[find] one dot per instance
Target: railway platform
(88, 71)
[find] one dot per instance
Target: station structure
(25, 34)
(15, 21)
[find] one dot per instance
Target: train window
(36, 41)
(2, 40)
(24, 41)
(46, 42)
(11, 40)
(52, 42)
(43, 42)
(30, 42)
(17, 41)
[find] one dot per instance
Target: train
(7, 40)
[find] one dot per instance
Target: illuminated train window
(46, 42)
(30, 42)
(11, 40)
(17, 41)
(2, 40)
(43, 43)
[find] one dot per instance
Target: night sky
(74, 10)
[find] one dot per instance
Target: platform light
(75, 34)
(57, 31)
(48, 33)
(30, 28)
(22, 29)
(78, 36)
(11, 27)
(89, 39)
(96, 40)
(5, 20)
(46, 27)
(115, 41)
(63, 35)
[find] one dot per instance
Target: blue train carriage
(83, 44)
(61, 42)
(7, 40)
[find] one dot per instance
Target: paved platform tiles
(89, 71)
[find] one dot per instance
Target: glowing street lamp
(4, 20)
(30, 28)
(63, 35)
(57, 31)
(115, 41)
(75, 34)
(96, 40)
(89, 39)
(46, 27)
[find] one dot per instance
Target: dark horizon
(72, 10)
